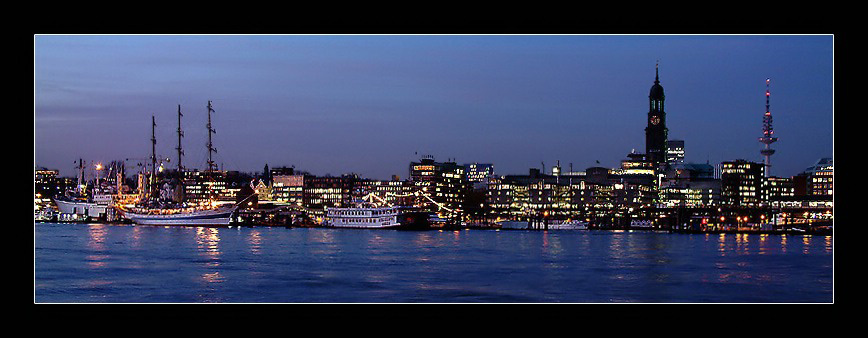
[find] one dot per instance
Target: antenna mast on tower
(768, 133)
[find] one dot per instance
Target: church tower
(656, 133)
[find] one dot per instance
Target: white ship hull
(523, 225)
(518, 225)
(87, 209)
(568, 226)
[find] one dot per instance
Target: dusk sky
(335, 104)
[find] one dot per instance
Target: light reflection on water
(208, 243)
(120, 263)
(96, 242)
(254, 239)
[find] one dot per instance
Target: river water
(107, 263)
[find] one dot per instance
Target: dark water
(98, 263)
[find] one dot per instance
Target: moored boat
(361, 217)
(568, 225)
(156, 210)
(180, 216)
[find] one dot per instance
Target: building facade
(444, 182)
(675, 152)
(202, 187)
(743, 183)
(780, 188)
(394, 192)
(478, 172)
(690, 185)
(820, 178)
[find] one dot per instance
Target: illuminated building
(516, 196)
(675, 152)
(394, 192)
(820, 177)
(637, 164)
(327, 191)
(636, 181)
(690, 185)
(445, 182)
(780, 188)
(280, 171)
(812, 197)
(287, 188)
(743, 183)
(262, 190)
(201, 187)
(46, 183)
(656, 132)
(478, 172)
(596, 192)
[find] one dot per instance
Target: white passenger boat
(365, 218)
(568, 225)
(641, 224)
(375, 218)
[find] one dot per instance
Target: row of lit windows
(363, 213)
(364, 220)
(324, 190)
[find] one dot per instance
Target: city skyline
(337, 104)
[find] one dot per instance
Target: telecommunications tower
(768, 133)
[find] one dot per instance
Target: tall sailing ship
(151, 210)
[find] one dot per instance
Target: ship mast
(180, 135)
(80, 168)
(211, 149)
(153, 156)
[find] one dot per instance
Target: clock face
(655, 120)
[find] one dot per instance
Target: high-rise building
(820, 177)
(445, 182)
(202, 187)
(675, 152)
(780, 188)
(743, 183)
(46, 183)
(314, 193)
(478, 172)
(656, 132)
(327, 191)
(393, 192)
(288, 188)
